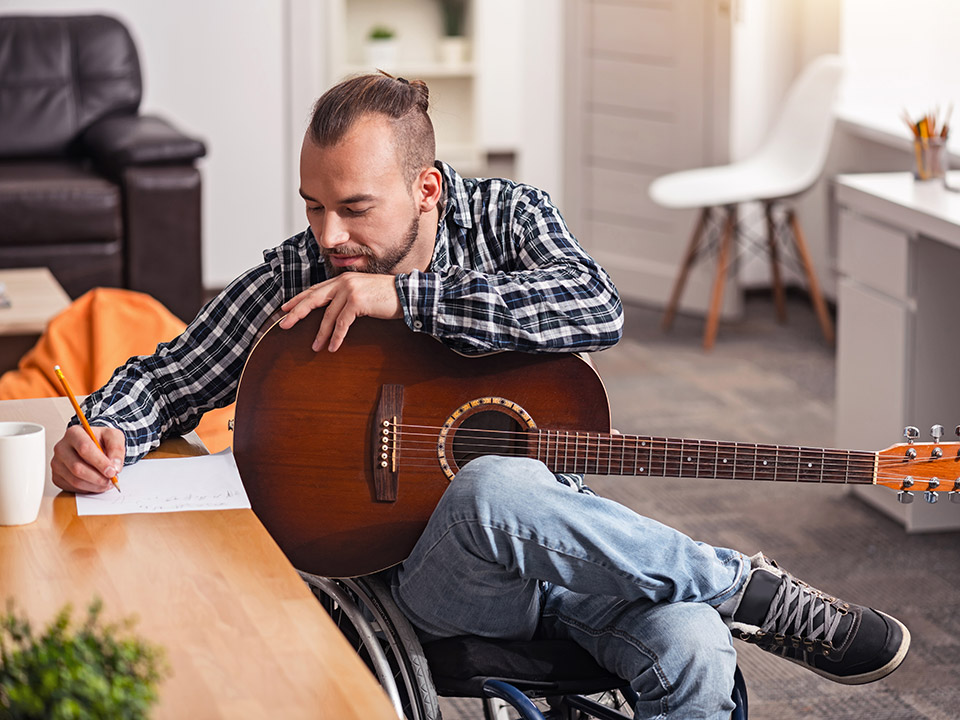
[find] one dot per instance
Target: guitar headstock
(932, 467)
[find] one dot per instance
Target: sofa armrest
(118, 142)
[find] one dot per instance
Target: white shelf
(417, 71)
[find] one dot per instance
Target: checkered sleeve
(517, 280)
(155, 396)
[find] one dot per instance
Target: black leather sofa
(100, 194)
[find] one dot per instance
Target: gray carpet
(765, 382)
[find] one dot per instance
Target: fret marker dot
(764, 462)
(642, 469)
(809, 465)
(724, 461)
(689, 459)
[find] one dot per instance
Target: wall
(216, 69)
(772, 43)
(243, 76)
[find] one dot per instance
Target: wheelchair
(532, 680)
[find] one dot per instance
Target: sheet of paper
(205, 482)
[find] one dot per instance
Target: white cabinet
(899, 265)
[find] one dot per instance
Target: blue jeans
(510, 552)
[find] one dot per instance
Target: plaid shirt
(506, 274)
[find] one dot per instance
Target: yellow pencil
(81, 416)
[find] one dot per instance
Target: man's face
(363, 213)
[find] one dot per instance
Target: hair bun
(421, 87)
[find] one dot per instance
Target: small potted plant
(381, 48)
(92, 671)
(453, 45)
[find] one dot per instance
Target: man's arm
(155, 396)
(531, 287)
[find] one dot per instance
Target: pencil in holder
(930, 156)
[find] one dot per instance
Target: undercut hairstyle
(403, 102)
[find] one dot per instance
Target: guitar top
(345, 455)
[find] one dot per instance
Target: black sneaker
(841, 641)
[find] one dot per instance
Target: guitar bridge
(386, 443)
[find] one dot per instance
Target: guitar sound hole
(488, 433)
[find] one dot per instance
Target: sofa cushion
(55, 203)
(60, 74)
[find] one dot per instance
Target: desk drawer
(874, 255)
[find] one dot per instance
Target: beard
(377, 264)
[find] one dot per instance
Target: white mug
(23, 460)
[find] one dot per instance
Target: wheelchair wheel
(365, 613)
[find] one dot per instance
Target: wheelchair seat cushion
(460, 665)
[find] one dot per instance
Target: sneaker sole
(873, 675)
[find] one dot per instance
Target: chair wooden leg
(688, 260)
(716, 301)
(779, 297)
(826, 324)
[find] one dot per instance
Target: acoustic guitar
(345, 455)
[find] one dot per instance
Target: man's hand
(346, 297)
(79, 466)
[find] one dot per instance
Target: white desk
(897, 299)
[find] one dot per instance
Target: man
(484, 265)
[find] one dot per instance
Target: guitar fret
(745, 461)
(623, 447)
(659, 459)
(765, 462)
(809, 467)
(707, 458)
(788, 462)
(726, 461)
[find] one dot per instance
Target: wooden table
(35, 296)
(242, 633)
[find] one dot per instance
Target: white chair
(786, 165)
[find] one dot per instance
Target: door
(648, 89)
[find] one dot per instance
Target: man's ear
(428, 189)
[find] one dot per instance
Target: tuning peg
(930, 496)
(954, 496)
(936, 432)
(911, 433)
(905, 497)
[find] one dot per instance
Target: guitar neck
(640, 455)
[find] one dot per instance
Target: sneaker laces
(803, 614)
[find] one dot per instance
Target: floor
(765, 382)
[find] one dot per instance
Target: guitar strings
(608, 447)
(427, 454)
(428, 463)
(611, 444)
(613, 454)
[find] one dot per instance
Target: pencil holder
(930, 156)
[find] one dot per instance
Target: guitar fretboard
(610, 454)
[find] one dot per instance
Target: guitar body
(307, 444)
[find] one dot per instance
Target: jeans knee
(492, 481)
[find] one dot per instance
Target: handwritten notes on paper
(206, 482)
